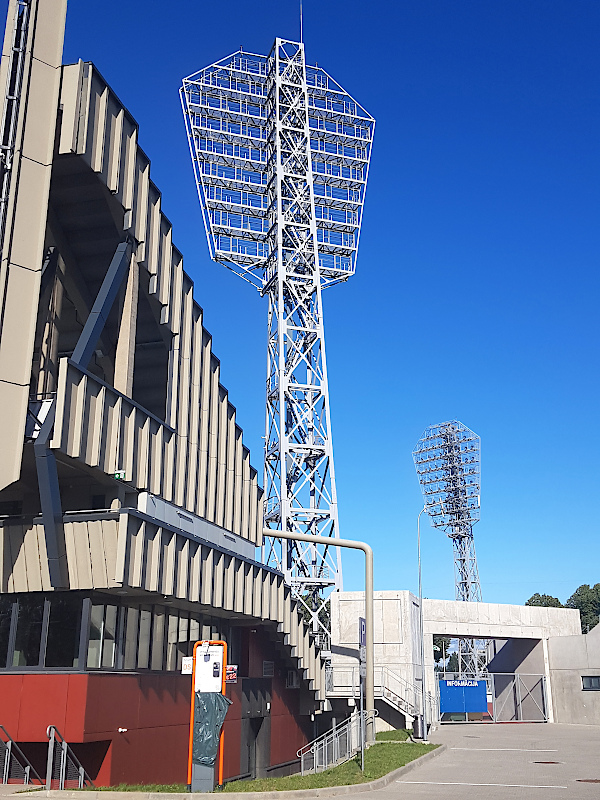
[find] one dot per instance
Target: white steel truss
(281, 155)
(448, 462)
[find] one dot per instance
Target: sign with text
(463, 695)
(209, 668)
(362, 632)
(231, 673)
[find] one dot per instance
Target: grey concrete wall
(518, 655)
(570, 658)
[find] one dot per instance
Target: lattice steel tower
(448, 462)
(281, 155)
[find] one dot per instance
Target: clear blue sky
(476, 290)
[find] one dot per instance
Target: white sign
(362, 670)
(362, 654)
(187, 665)
(209, 668)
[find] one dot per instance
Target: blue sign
(465, 694)
(362, 632)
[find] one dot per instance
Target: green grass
(392, 736)
(144, 787)
(379, 761)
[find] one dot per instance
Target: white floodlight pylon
(281, 154)
(448, 462)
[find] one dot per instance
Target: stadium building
(129, 510)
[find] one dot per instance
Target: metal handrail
(56, 737)
(14, 751)
(336, 746)
(406, 694)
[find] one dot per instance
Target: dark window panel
(29, 631)
(62, 646)
(6, 607)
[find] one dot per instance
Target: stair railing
(63, 767)
(14, 765)
(336, 746)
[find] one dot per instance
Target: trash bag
(209, 713)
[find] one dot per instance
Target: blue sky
(476, 289)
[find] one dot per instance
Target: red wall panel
(89, 708)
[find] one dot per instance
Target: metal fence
(339, 744)
(512, 696)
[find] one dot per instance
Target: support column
(125, 351)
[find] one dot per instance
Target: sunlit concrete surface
(505, 762)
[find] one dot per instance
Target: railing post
(63, 764)
(50, 761)
(7, 758)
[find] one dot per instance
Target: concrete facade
(571, 658)
(130, 513)
(529, 640)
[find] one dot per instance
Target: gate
(519, 697)
(511, 697)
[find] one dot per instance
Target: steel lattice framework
(448, 462)
(281, 155)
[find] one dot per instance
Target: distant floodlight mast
(281, 154)
(448, 462)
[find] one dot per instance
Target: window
(591, 683)
(6, 607)
(30, 617)
(62, 648)
(268, 669)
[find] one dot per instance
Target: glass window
(6, 607)
(158, 638)
(194, 632)
(183, 639)
(131, 638)
(143, 660)
(30, 616)
(95, 640)
(64, 625)
(109, 635)
(172, 636)
(591, 683)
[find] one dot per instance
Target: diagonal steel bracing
(447, 460)
(280, 153)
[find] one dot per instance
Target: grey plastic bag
(209, 713)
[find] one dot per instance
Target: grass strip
(379, 761)
(392, 736)
(141, 787)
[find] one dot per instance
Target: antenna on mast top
(301, 33)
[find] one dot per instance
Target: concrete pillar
(125, 351)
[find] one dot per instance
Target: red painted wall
(89, 708)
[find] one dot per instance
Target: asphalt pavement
(518, 761)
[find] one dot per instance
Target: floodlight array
(448, 463)
(226, 109)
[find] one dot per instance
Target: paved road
(505, 762)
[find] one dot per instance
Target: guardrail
(15, 767)
(336, 746)
(344, 681)
(63, 770)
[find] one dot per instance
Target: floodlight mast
(448, 463)
(281, 155)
